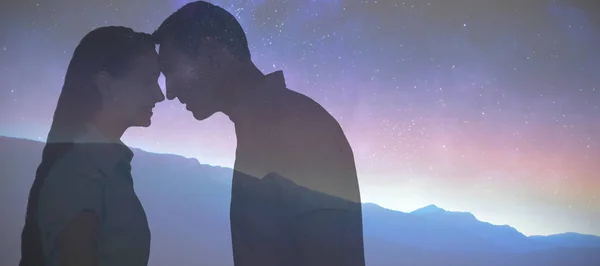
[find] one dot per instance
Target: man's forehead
(163, 51)
(164, 56)
(168, 53)
(167, 46)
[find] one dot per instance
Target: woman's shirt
(95, 175)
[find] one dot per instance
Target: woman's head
(112, 76)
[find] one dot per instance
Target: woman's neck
(108, 128)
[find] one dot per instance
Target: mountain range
(187, 204)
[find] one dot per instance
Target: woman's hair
(110, 49)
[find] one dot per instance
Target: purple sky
(473, 106)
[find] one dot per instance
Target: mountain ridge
(169, 183)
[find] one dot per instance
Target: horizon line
(362, 202)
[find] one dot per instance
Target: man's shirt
(284, 132)
(292, 160)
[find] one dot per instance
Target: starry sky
(490, 107)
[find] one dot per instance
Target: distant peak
(429, 209)
(277, 178)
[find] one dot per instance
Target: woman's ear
(103, 81)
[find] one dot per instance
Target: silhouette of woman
(82, 207)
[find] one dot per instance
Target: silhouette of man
(295, 195)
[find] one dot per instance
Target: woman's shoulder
(73, 164)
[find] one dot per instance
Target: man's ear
(103, 81)
(214, 51)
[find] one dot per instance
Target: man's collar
(274, 80)
(104, 153)
(256, 102)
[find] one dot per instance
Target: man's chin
(201, 116)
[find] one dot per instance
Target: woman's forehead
(146, 63)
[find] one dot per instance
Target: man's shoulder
(305, 111)
(301, 100)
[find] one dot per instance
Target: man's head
(200, 46)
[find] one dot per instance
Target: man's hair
(198, 20)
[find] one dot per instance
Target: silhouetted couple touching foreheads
(295, 197)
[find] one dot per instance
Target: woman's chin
(142, 122)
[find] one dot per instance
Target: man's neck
(247, 80)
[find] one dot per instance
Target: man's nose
(170, 94)
(170, 91)
(160, 96)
